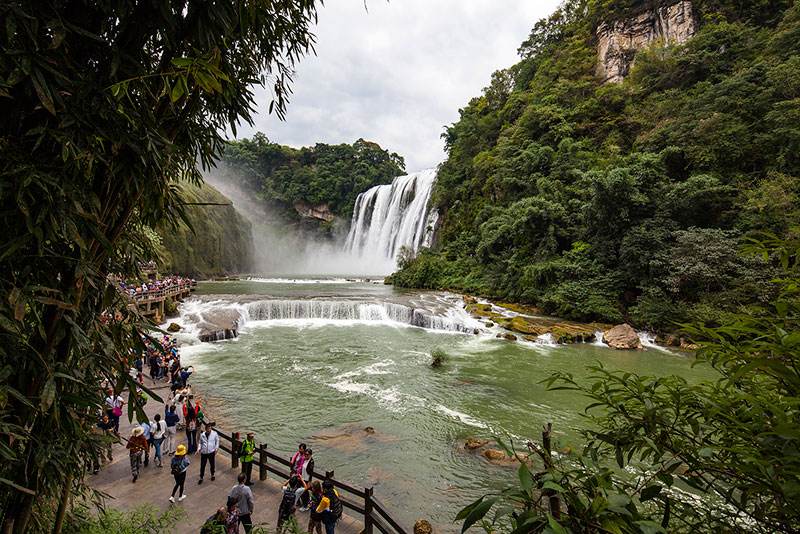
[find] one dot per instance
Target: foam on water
(459, 416)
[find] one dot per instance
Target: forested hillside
(319, 182)
(626, 200)
(221, 242)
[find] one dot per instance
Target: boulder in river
(507, 336)
(174, 327)
(475, 443)
(622, 337)
(494, 455)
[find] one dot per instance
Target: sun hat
(137, 431)
(181, 450)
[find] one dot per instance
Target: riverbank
(154, 484)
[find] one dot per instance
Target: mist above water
(398, 212)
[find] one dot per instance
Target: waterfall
(220, 319)
(334, 310)
(387, 217)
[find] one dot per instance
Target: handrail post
(367, 510)
(262, 461)
(235, 444)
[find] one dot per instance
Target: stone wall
(618, 41)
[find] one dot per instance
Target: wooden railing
(159, 294)
(363, 502)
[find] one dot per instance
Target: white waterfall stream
(388, 217)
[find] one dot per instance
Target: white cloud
(399, 72)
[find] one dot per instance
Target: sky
(397, 72)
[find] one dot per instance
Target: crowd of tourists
(143, 289)
(181, 411)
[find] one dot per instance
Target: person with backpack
(315, 518)
(136, 445)
(330, 507)
(246, 452)
(179, 466)
(289, 499)
(243, 497)
(158, 430)
(171, 418)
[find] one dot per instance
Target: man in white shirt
(209, 443)
(114, 404)
(158, 430)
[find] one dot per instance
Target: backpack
(287, 502)
(175, 465)
(336, 506)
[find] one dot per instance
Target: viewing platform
(152, 303)
(364, 514)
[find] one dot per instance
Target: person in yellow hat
(179, 466)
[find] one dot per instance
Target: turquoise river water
(320, 373)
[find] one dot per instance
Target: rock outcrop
(622, 337)
(618, 42)
(321, 212)
(174, 327)
(223, 324)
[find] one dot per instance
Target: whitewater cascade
(216, 320)
(387, 217)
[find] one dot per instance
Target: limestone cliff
(618, 41)
(320, 212)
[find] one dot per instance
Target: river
(323, 379)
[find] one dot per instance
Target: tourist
(114, 404)
(330, 507)
(289, 499)
(101, 431)
(136, 445)
(179, 466)
(243, 497)
(216, 523)
(190, 420)
(171, 418)
(209, 444)
(246, 452)
(232, 521)
(306, 474)
(297, 460)
(315, 518)
(158, 432)
(147, 438)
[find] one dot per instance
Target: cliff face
(221, 242)
(320, 212)
(618, 41)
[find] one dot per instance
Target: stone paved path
(154, 486)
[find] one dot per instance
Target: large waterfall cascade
(388, 217)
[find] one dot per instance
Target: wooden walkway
(155, 484)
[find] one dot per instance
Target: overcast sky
(399, 72)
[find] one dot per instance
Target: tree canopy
(625, 201)
(323, 174)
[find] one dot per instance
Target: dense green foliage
(323, 174)
(143, 520)
(105, 106)
(217, 239)
(721, 456)
(625, 201)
